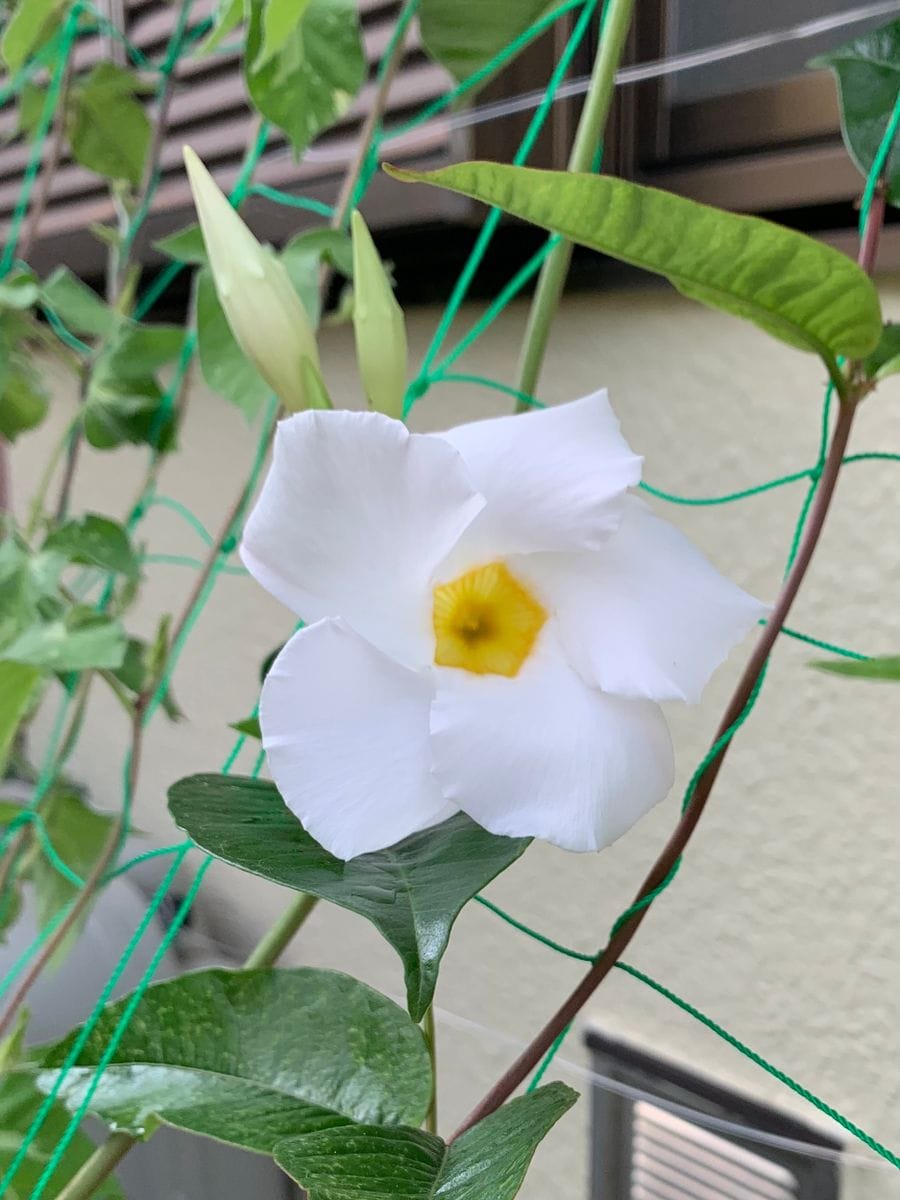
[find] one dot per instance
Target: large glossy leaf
(868, 73)
(412, 893)
(311, 81)
(799, 290)
(252, 1057)
(367, 1162)
(20, 1101)
(884, 667)
(465, 35)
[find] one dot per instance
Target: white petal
(544, 755)
(647, 614)
(553, 479)
(345, 729)
(353, 517)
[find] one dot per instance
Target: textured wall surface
(783, 923)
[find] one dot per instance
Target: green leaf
(225, 367)
(868, 74)
(78, 834)
(20, 591)
(412, 893)
(251, 1057)
(885, 358)
(125, 399)
(95, 541)
(303, 256)
(32, 99)
(20, 1101)
(138, 669)
(19, 290)
(78, 307)
(314, 77)
(229, 14)
(280, 19)
(108, 130)
(139, 351)
(249, 727)
(465, 35)
(186, 246)
(799, 290)
(30, 25)
(82, 638)
(489, 1162)
(23, 404)
(884, 667)
(19, 685)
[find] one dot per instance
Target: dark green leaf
(225, 367)
(314, 77)
(138, 669)
(412, 893)
(20, 1101)
(30, 25)
(19, 685)
(95, 541)
(23, 403)
(885, 358)
(23, 400)
(801, 291)
(82, 638)
(465, 35)
(362, 1162)
(252, 1057)
(249, 727)
(108, 130)
(186, 246)
(885, 667)
(78, 307)
(868, 73)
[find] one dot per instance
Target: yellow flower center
(485, 622)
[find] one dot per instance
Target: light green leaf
(489, 1162)
(78, 834)
(303, 256)
(187, 246)
(138, 669)
(94, 541)
(19, 686)
(108, 130)
(124, 399)
(78, 307)
(412, 893)
(884, 667)
(140, 351)
(228, 15)
(30, 25)
(799, 290)
(280, 19)
(20, 591)
(252, 1057)
(20, 1101)
(885, 358)
(868, 74)
(23, 403)
(225, 367)
(465, 35)
(32, 99)
(19, 290)
(82, 638)
(314, 77)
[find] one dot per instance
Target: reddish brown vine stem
(675, 846)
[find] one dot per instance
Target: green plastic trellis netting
(438, 366)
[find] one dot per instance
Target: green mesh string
(53, 58)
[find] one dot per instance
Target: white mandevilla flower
(493, 620)
(263, 310)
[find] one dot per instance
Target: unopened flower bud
(379, 326)
(266, 315)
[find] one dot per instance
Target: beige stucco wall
(783, 923)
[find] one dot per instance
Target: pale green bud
(266, 315)
(378, 324)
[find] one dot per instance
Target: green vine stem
(667, 861)
(273, 944)
(98, 1167)
(591, 124)
(430, 1034)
